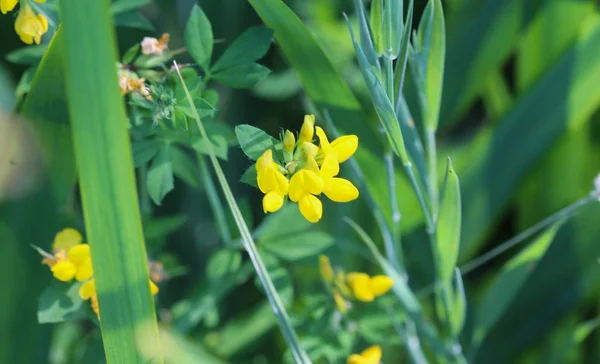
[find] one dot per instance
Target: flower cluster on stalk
(71, 259)
(306, 171)
(30, 25)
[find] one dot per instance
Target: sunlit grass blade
(448, 228)
(106, 175)
(287, 329)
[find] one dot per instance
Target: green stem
(430, 149)
(287, 329)
(409, 336)
(391, 182)
(563, 213)
(214, 201)
(415, 185)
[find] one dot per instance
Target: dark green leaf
(249, 176)
(27, 55)
(251, 46)
(133, 19)
(296, 247)
(122, 6)
(199, 37)
(278, 86)
(185, 167)
(458, 312)
(159, 179)
(144, 151)
(219, 142)
(129, 56)
(253, 140)
(243, 75)
(223, 262)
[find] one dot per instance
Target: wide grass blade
(108, 191)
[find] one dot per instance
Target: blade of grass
(105, 165)
(214, 200)
(287, 329)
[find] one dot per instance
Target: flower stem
(214, 200)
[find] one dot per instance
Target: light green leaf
(29, 55)
(129, 56)
(249, 176)
(199, 37)
(376, 22)
(144, 150)
(458, 312)
(365, 37)
(159, 179)
(60, 302)
(287, 221)
(296, 247)
(243, 75)
(254, 141)
(449, 225)
(251, 46)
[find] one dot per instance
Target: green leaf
(29, 55)
(382, 104)
(122, 6)
(458, 312)
(376, 20)
(296, 247)
(254, 141)
(219, 143)
(129, 56)
(281, 279)
(223, 262)
(243, 75)
(133, 19)
(448, 228)
(278, 86)
(507, 284)
(251, 46)
(106, 176)
(144, 150)
(249, 177)
(365, 37)
(159, 179)
(199, 37)
(159, 227)
(185, 167)
(432, 36)
(60, 302)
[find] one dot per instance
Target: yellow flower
(7, 5)
(335, 188)
(340, 302)
(308, 129)
(372, 355)
(88, 292)
(304, 185)
(365, 288)
(63, 270)
(325, 268)
(80, 256)
(289, 141)
(340, 149)
(66, 239)
(29, 26)
(271, 182)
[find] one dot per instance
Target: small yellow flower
(335, 188)
(155, 46)
(66, 239)
(271, 182)
(289, 141)
(88, 292)
(365, 288)
(308, 129)
(7, 5)
(63, 270)
(304, 185)
(372, 355)
(340, 302)
(29, 26)
(325, 268)
(80, 256)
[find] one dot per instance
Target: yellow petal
(66, 239)
(313, 183)
(308, 129)
(272, 202)
(40, 1)
(340, 302)
(330, 167)
(84, 270)
(296, 189)
(289, 141)
(79, 253)
(311, 208)
(340, 190)
(344, 147)
(282, 183)
(323, 141)
(44, 22)
(153, 288)
(87, 290)
(372, 354)
(356, 359)
(360, 285)
(310, 149)
(64, 270)
(267, 180)
(340, 284)
(325, 268)
(311, 165)
(265, 160)
(381, 284)
(7, 5)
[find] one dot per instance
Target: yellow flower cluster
(29, 26)
(308, 170)
(372, 355)
(71, 259)
(355, 285)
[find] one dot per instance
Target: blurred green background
(519, 120)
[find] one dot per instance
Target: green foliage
(449, 224)
(59, 303)
(199, 37)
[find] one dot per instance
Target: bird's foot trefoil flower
(372, 355)
(304, 170)
(29, 26)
